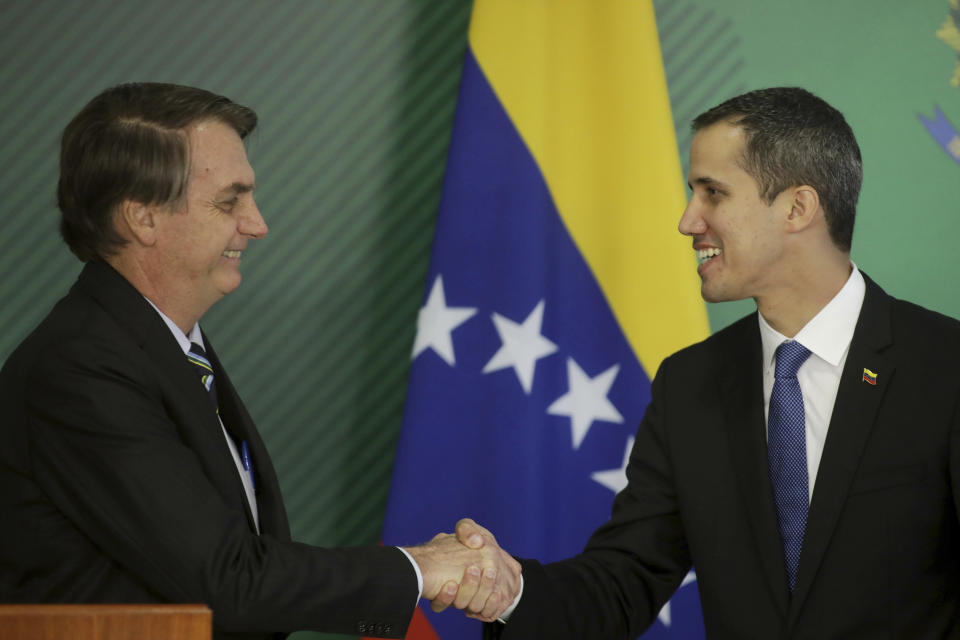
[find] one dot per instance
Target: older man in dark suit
(805, 460)
(130, 470)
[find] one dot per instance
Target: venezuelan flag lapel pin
(869, 376)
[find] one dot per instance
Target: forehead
(716, 153)
(217, 156)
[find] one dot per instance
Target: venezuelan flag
(558, 283)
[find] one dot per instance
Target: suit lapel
(131, 310)
(273, 516)
(741, 389)
(188, 399)
(854, 414)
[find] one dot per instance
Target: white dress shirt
(827, 336)
(245, 477)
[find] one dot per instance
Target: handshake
(468, 570)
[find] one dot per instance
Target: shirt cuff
(419, 575)
(509, 610)
(503, 617)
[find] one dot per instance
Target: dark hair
(130, 143)
(793, 138)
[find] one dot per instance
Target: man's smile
(705, 255)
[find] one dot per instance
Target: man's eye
(226, 205)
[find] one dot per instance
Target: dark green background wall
(356, 100)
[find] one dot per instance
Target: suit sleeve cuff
(509, 610)
(420, 575)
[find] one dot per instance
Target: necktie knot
(198, 359)
(790, 356)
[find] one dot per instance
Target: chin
(708, 293)
(225, 285)
(716, 294)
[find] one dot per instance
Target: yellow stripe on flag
(583, 82)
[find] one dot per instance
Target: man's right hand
(468, 570)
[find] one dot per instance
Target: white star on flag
(522, 346)
(615, 479)
(586, 400)
(665, 616)
(436, 321)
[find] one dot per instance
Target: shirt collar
(829, 333)
(182, 339)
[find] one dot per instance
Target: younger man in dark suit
(805, 461)
(130, 470)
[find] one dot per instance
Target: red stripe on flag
(420, 628)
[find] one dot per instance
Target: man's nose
(252, 223)
(691, 223)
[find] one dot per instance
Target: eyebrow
(236, 189)
(707, 182)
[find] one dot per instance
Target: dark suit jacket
(881, 557)
(116, 485)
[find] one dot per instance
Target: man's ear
(137, 222)
(804, 208)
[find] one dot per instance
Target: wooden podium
(105, 622)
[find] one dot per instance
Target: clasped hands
(468, 570)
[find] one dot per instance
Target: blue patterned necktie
(787, 453)
(198, 358)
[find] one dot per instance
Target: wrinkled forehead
(218, 157)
